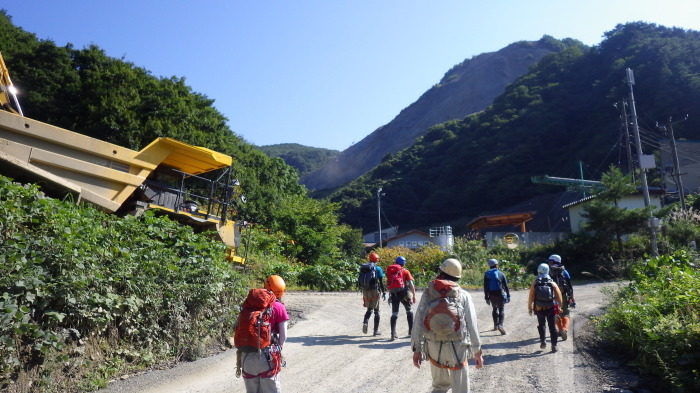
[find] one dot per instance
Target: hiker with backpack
(261, 331)
(544, 299)
(399, 282)
(496, 293)
(445, 330)
(560, 276)
(371, 282)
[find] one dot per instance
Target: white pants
(444, 378)
(254, 363)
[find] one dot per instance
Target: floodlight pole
(643, 173)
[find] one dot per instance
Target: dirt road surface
(327, 352)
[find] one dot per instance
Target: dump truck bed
(109, 176)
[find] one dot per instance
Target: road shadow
(374, 342)
(513, 357)
(511, 344)
(510, 347)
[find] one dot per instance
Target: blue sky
(323, 73)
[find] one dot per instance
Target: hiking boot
(377, 332)
(501, 329)
(364, 328)
(563, 335)
(543, 345)
(393, 337)
(495, 327)
(554, 348)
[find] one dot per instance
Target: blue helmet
(401, 261)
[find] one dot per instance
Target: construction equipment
(165, 176)
(8, 92)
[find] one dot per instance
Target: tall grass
(656, 319)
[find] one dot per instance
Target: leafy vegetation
(82, 291)
(304, 159)
(656, 319)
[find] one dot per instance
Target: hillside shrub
(335, 276)
(656, 320)
(84, 294)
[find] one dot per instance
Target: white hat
(554, 258)
(543, 268)
(492, 262)
(452, 267)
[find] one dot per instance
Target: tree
(605, 216)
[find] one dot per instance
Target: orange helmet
(276, 285)
(373, 257)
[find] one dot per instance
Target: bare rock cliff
(468, 88)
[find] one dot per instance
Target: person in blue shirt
(370, 295)
(496, 293)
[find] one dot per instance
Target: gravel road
(327, 352)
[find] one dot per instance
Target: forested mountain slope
(304, 159)
(560, 113)
(467, 88)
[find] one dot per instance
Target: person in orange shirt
(400, 282)
(545, 299)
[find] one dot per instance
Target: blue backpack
(494, 280)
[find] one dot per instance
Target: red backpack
(394, 278)
(253, 329)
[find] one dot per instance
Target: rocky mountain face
(468, 88)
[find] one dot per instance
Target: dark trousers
(396, 300)
(498, 314)
(549, 317)
(376, 318)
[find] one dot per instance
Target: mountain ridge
(562, 118)
(467, 88)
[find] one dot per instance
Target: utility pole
(630, 165)
(643, 174)
(580, 169)
(676, 163)
(379, 214)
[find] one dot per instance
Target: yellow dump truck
(166, 175)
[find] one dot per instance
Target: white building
(634, 201)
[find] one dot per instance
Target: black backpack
(368, 276)
(557, 274)
(544, 293)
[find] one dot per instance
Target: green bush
(336, 276)
(656, 319)
(74, 280)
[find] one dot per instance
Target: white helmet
(543, 268)
(452, 267)
(555, 258)
(492, 262)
